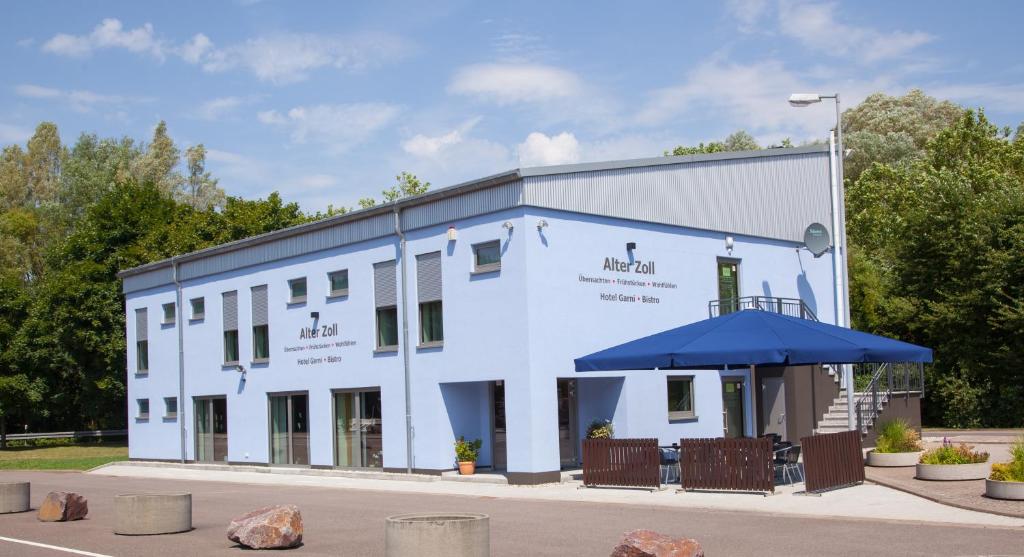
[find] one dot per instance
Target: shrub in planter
(600, 429)
(897, 445)
(466, 453)
(952, 462)
(1007, 478)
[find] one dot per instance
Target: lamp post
(807, 99)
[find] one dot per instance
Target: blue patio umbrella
(752, 337)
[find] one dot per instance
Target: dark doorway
(358, 433)
(499, 447)
(211, 429)
(289, 429)
(568, 438)
(728, 286)
(733, 421)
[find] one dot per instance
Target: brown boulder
(648, 543)
(275, 527)
(63, 506)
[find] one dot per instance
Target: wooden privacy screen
(727, 464)
(832, 460)
(621, 462)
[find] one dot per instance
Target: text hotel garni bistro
(376, 338)
(635, 267)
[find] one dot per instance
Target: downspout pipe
(405, 342)
(181, 355)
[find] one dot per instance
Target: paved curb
(904, 489)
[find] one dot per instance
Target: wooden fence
(832, 461)
(727, 464)
(621, 462)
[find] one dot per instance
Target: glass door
(358, 432)
(211, 415)
(289, 429)
(567, 437)
(732, 407)
(728, 287)
(499, 446)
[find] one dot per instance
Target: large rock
(648, 543)
(63, 506)
(276, 527)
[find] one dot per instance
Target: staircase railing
(887, 381)
(793, 307)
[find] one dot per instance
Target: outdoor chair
(787, 459)
(669, 465)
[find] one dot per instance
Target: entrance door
(499, 448)
(357, 429)
(773, 405)
(211, 429)
(567, 428)
(732, 407)
(728, 286)
(289, 429)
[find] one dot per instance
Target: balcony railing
(793, 307)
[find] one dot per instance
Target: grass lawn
(65, 457)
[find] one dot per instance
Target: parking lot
(351, 522)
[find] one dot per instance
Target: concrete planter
(438, 535)
(893, 460)
(14, 497)
(1004, 490)
(150, 514)
(952, 472)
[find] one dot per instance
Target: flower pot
(952, 472)
(1004, 490)
(892, 460)
(467, 468)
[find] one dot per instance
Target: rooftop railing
(793, 307)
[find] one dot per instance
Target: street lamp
(800, 100)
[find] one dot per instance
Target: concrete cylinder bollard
(152, 513)
(438, 534)
(14, 497)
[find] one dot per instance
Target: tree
(201, 191)
(737, 141)
(406, 185)
(43, 162)
(157, 165)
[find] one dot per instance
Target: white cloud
(287, 58)
(339, 125)
(215, 109)
(193, 50)
(993, 96)
(313, 182)
(77, 99)
(110, 33)
(542, 150)
(508, 83)
(748, 13)
(13, 134)
(817, 26)
(429, 146)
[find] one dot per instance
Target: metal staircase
(887, 381)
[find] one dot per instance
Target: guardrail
(832, 461)
(98, 433)
(793, 307)
(621, 463)
(727, 464)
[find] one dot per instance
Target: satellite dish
(816, 239)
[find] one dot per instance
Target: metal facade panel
(769, 197)
(385, 290)
(462, 206)
(259, 306)
(428, 277)
(149, 279)
(230, 302)
(141, 324)
(290, 246)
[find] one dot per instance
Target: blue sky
(326, 102)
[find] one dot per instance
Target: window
(487, 257)
(198, 308)
(260, 324)
(261, 342)
(171, 407)
(338, 283)
(429, 290)
(431, 324)
(169, 313)
(680, 398)
(143, 409)
(728, 286)
(387, 327)
(297, 288)
(230, 305)
(141, 341)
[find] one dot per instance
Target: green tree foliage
(201, 191)
(737, 141)
(406, 185)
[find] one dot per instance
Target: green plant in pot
(466, 453)
(600, 429)
(1007, 478)
(951, 462)
(898, 444)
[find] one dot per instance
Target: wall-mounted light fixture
(729, 244)
(240, 369)
(314, 315)
(452, 234)
(630, 246)
(507, 226)
(542, 224)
